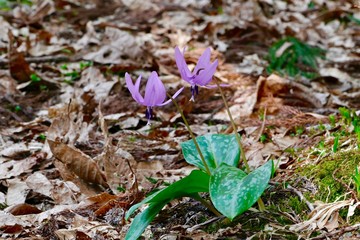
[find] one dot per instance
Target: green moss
(342, 165)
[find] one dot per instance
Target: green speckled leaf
(233, 192)
(216, 149)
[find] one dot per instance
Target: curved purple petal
(206, 75)
(203, 62)
(174, 96)
(182, 66)
(155, 92)
(134, 89)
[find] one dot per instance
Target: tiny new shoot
(356, 178)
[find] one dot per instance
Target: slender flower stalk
(197, 197)
(191, 134)
(243, 157)
(208, 205)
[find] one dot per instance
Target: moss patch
(342, 165)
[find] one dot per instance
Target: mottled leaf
(216, 149)
(233, 192)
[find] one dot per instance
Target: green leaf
(336, 144)
(233, 192)
(142, 220)
(216, 149)
(196, 182)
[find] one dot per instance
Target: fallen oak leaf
(78, 162)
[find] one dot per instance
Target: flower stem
(242, 152)
(243, 157)
(191, 134)
(207, 205)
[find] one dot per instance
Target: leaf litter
(75, 151)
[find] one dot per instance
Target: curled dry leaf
(78, 162)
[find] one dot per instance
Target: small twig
(301, 196)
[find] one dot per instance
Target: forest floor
(75, 148)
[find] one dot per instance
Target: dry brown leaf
(7, 219)
(325, 215)
(7, 83)
(17, 191)
(15, 168)
(68, 124)
(78, 162)
(88, 227)
(117, 47)
(39, 183)
(19, 68)
(66, 192)
(16, 151)
(23, 209)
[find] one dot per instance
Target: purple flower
(202, 73)
(155, 92)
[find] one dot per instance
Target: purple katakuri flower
(202, 73)
(155, 92)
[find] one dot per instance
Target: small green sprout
(356, 178)
(299, 130)
(263, 138)
(67, 51)
(152, 180)
(332, 120)
(85, 64)
(42, 137)
(262, 115)
(336, 144)
(311, 5)
(132, 139)
(321, 144)
(345, 114)
(357, 132)
(17, 108)
(72, 75)
(322, 127)
(64, 66)
(121, 189)
(34, 78)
